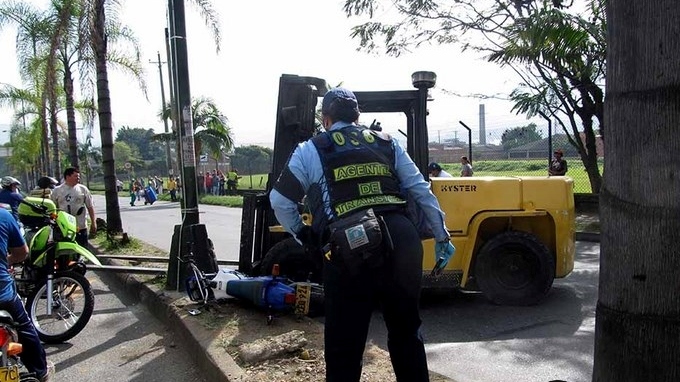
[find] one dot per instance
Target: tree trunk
(638, 311)
(45, 145)
(589, 156)
(70, 117)
(54, 132)
(114, 223)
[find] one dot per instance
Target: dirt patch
(233, 323)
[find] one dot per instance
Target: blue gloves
(443, 252)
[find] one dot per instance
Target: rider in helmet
(10, 194)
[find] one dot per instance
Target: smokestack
(482, 125)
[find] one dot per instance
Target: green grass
(225, 201)
(253, 182)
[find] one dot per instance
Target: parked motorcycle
(10, 349)
(59, 299)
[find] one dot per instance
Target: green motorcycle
(59, 299)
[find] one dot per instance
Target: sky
(263, 39)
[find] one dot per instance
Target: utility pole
(173, 112)
(178, 49)
(189, 237)
(168, 158)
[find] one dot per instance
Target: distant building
(5, 152)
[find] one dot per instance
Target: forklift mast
(296, 122)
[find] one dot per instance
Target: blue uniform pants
(395, 288)
(33, 353)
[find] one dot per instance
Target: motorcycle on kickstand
(58, 297)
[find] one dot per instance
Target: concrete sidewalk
(168, 307)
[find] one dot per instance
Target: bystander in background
(466, 170)
(436, 171)
(558, 166)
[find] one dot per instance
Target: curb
(218, 367)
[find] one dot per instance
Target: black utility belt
(359, 239)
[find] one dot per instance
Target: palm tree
(29, 103)
(95, 19)
(75, 51)
(211, 128)
(25, 143)
(94, 15)
(637, 319)
(33, 30)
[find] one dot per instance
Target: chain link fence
(520, 155)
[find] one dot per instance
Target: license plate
(303, 292)
(9, 374)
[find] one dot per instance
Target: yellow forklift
(514, 235)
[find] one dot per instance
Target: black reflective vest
(358, 166)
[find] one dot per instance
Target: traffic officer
(350, 168)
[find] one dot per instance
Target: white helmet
(8, 181)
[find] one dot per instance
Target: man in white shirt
(436, 171)
(75, 198)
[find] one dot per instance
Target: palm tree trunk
(54, 132)
(113, 220)
(638, 310)
(45, 147)
(70, 117)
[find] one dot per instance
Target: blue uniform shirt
(13, 199)
(10, 237)
(305, 164)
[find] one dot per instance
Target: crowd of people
(148, 191)
(213, 182)
(217, 183)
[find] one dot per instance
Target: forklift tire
(294, 262)
(515, 268)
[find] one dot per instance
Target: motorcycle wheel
(72, 307)
(28, 378)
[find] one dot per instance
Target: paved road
(155, 224)
(122, 342)
(467, 338)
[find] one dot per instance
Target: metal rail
(156, 259)
(140, 270)
(126, 269)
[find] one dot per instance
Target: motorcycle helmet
(8, 181)
(47, 182)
